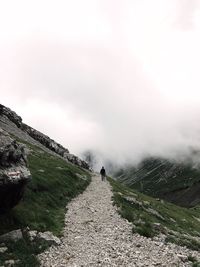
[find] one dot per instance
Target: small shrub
(144, 230)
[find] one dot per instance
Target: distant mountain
(175, 182)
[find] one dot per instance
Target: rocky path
(95, 235)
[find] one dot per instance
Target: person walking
(103, 174)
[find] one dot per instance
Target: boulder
(10, 263)
(3, 249)
(12, 236)
(49, 238)
(32, 235)
(14, 173)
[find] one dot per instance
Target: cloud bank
(118, 77)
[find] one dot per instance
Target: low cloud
(125, 91)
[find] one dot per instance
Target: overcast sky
(119, 76)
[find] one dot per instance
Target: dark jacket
(103, 172)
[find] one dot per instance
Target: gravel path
(95, 235)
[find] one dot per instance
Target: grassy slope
(179, 224)
(54, 183)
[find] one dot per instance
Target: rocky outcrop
(14, 173)
(11, 115)
(33, 236)
(43, 139)
(77, 161)
(55, 147)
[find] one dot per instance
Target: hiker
(103, 174)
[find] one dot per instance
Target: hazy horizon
(117, 77)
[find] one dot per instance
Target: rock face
(29, 133)
(75, 160)
(54, 146)
(45, 140)
(14, 173)
(11, 115)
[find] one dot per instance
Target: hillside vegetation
(54, 183)
(152, 217)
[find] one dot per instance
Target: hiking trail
(96, 235)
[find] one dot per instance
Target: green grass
(54, 183)
(183, 241)
(23, 252)
(151, 216)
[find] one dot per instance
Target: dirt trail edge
(96, 235)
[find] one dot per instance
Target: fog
(117, 77)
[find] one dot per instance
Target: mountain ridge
(20, 129)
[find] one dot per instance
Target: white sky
(120, 76)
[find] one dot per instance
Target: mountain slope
(162, 178)
(13, 124)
